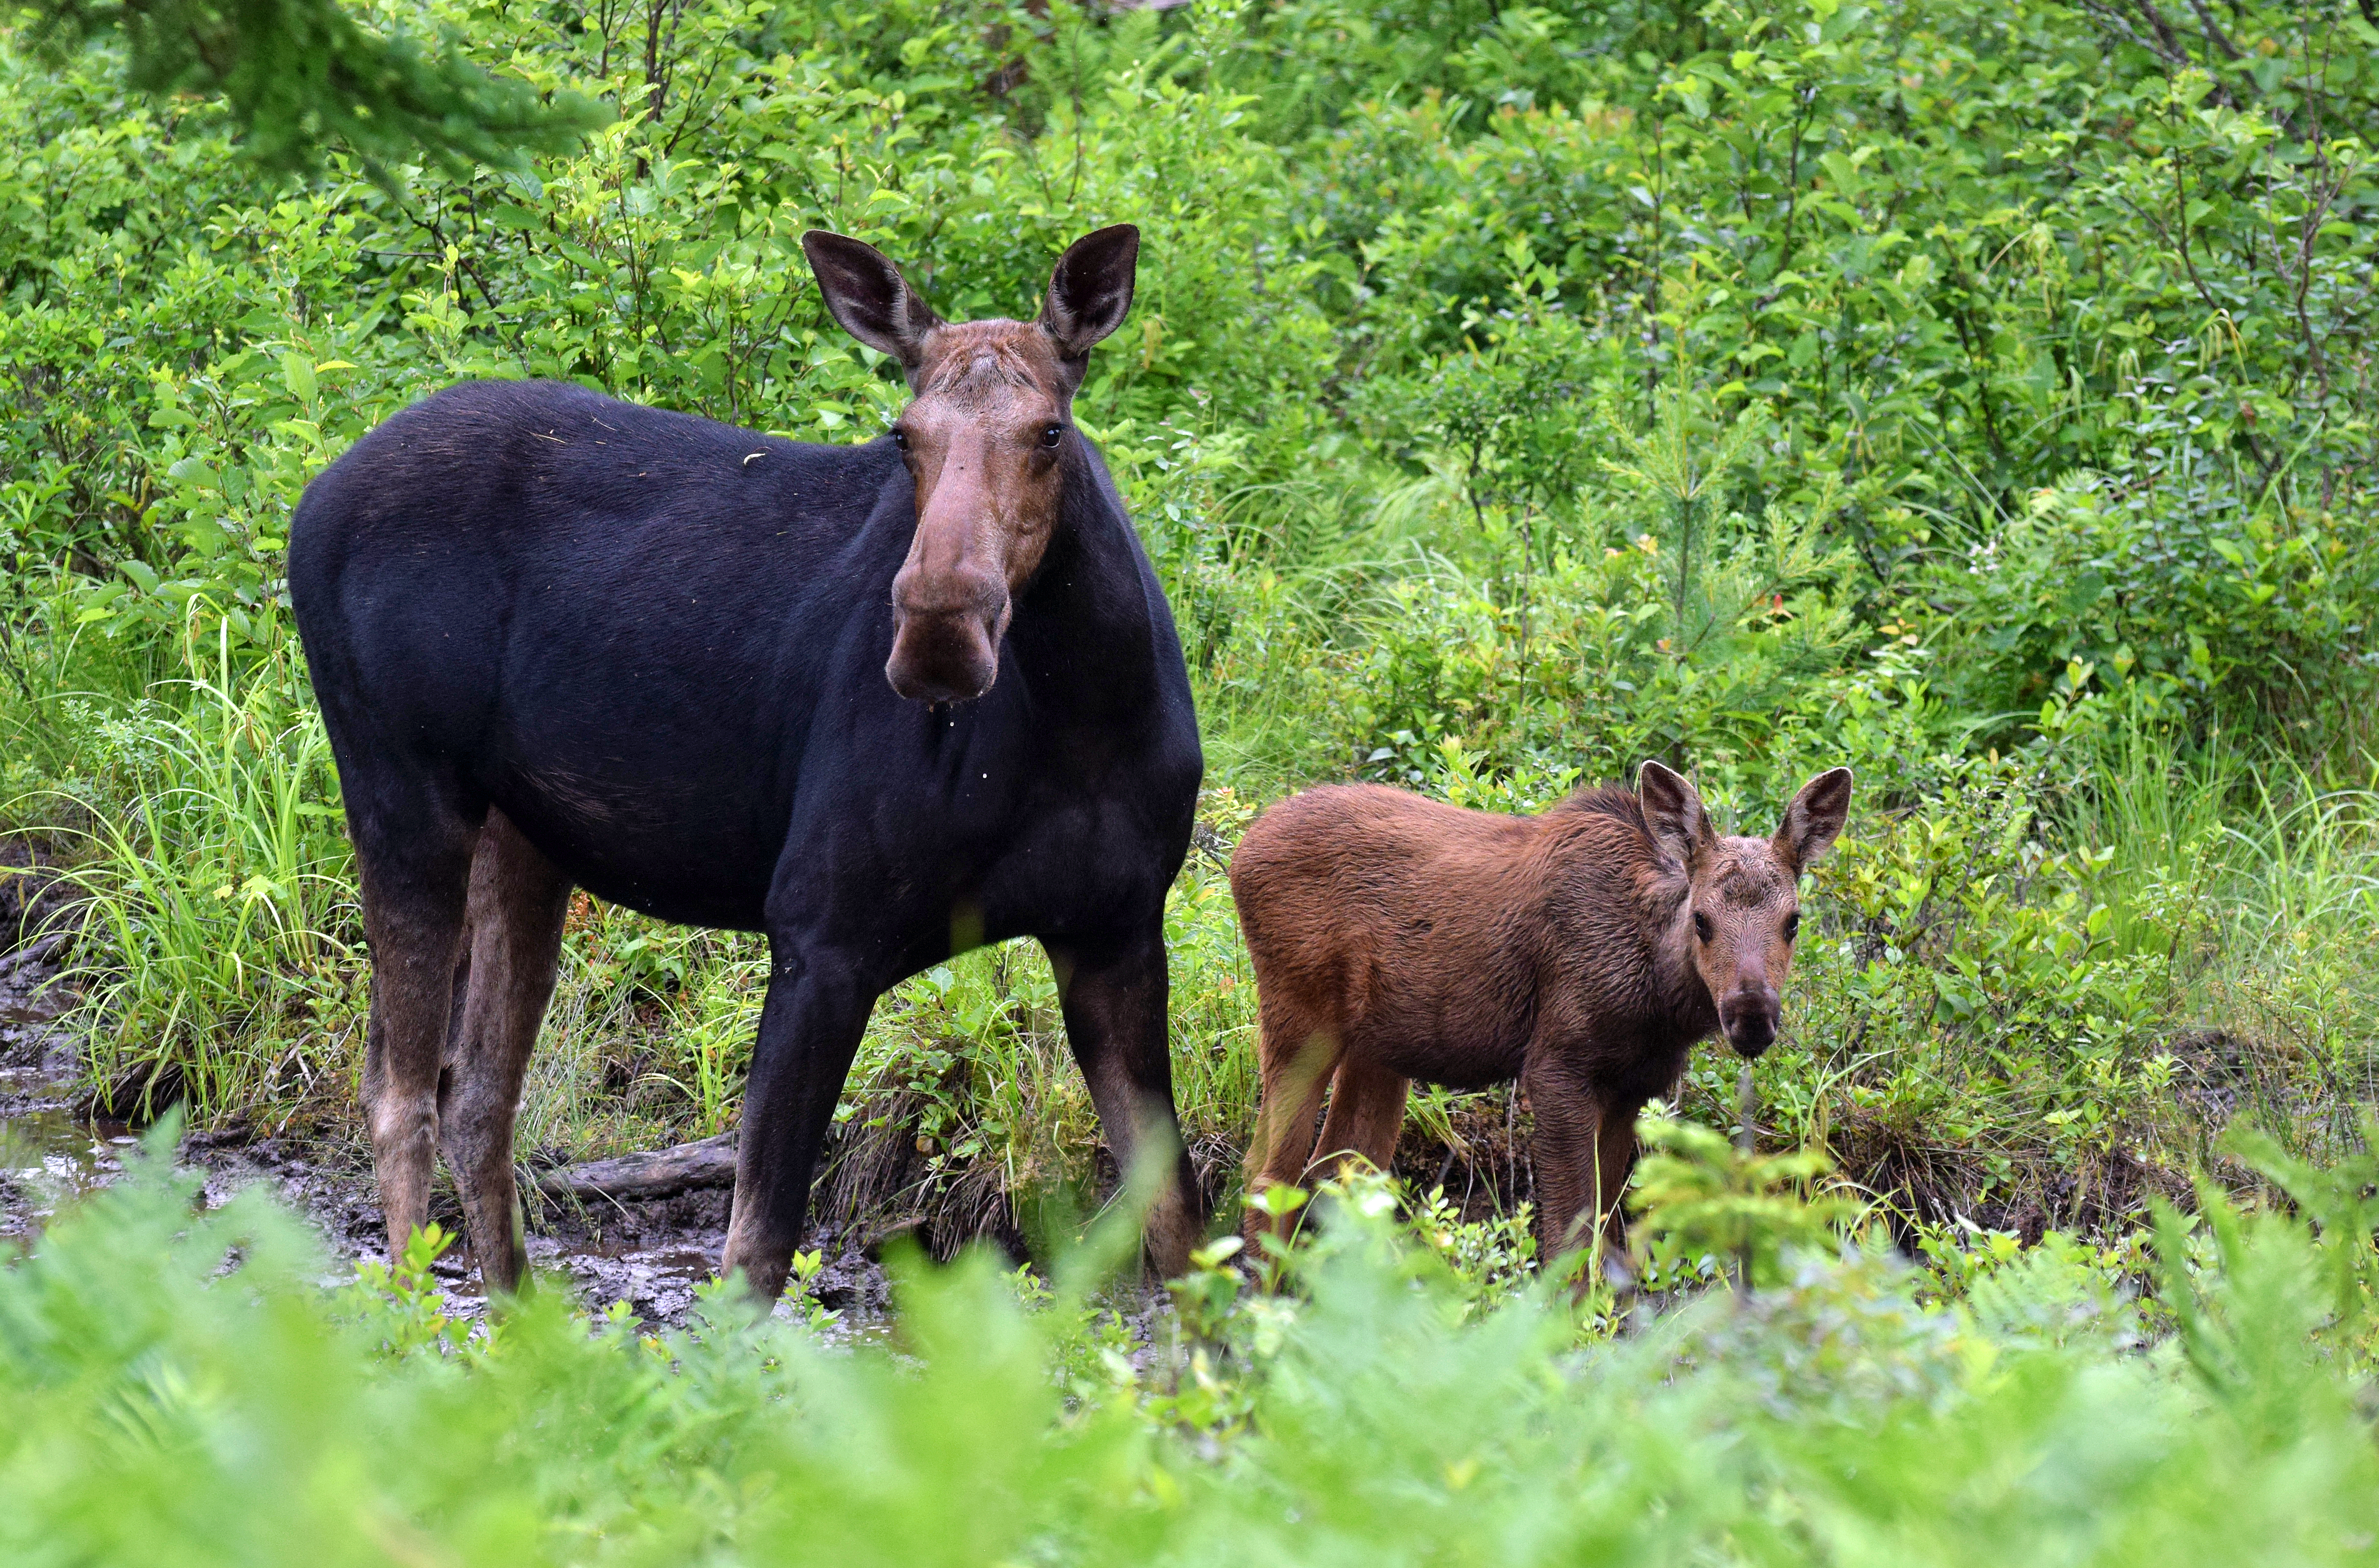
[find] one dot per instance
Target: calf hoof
(1619, 1272)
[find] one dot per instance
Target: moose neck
(1083, 632)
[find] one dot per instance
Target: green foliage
(1973, 395)
(2055, 415)
(296, 73)
(2342, 1203)
(1708, 1203)
(183, 1389)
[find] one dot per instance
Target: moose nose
(942, 661)
(1749, 1021)
(946, 645)
(929, 689)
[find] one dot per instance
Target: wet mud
(653, 1255)
(49, 1155)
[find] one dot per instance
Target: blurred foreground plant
(1701, 1201)
(182, 1389)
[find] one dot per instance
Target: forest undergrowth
(1978, 396)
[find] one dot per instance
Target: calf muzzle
(1749, 1022)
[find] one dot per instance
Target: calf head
(1743, 903)
(987, 425)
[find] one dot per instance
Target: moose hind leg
(1367, 1112)
(414, 866)
(1615, 1163)
(518, 902)
(1296, 1059)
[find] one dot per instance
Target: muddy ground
(54, 1153)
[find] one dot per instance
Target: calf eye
(1052, 435)
(1701, 925)
(1791, 925)
(899, 438)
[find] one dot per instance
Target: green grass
(2256, 887)
(216, 911)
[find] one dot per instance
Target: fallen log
(663, 1173)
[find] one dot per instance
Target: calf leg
(1295, 1061)
(810, 1027)
(1615, 1161)
(1367, 1112)
(517, 904)
(413, 856)
(1115, 1003)
(1583, 1146)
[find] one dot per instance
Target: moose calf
(1582, 952)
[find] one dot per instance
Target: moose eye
(899, 438)
(1791, 925)
(1701, 925)
(1052, 435)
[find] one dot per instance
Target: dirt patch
(2099, 1193)
(1479, 1158)
(54, 1153)
(33, 1041)
(2217, 1072)
(33, 892)
(654, 1255)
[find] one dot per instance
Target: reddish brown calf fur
(1582, 952)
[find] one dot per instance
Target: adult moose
(1582, 952)
(880, 702)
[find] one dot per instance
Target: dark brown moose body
(1581, 952)
(881, 702)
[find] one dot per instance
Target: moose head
(1743, 894)
(986, 435)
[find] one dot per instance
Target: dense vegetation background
(1977, 395)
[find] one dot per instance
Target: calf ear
(870, 297)
(1815, 818)
(1673, 810)
(1090, 293)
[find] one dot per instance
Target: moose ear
(870, 297)
(1673, 810)
(1090, 293)
(1815, 818)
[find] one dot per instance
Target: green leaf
(297, 375)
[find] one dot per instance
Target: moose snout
(1749, 1019)
(946, 637)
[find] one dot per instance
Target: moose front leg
(1114, 1000)
(1614, 1146)
(810, 1028)
(1584, 1149)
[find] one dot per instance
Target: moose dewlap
(1582, 952)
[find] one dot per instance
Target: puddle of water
(17, 1007)
(58, 1157)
